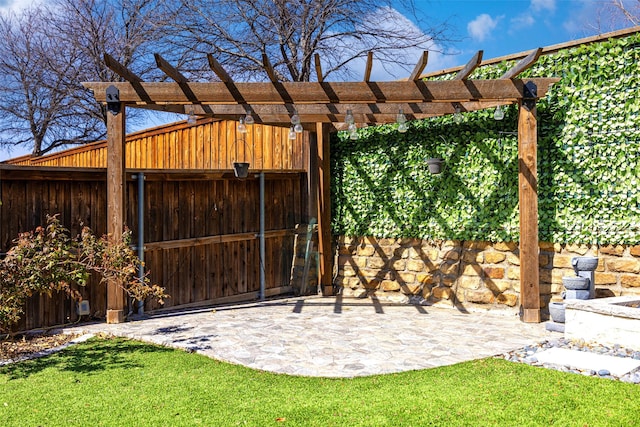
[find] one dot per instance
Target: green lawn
(116, 382)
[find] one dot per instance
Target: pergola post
(323, 204)
(116, 138)
(528, 202)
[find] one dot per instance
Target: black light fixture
(241, 169)
(435, 164)
(113, 100)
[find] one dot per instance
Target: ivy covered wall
(588, 161)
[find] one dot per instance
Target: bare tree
(129, 30)
(290, 32)
(38, 72)
(630, 9)
(50, 50)
(611, 15)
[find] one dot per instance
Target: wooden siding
(200, 230)
(206, 145)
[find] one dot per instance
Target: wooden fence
(208, 144)
(200, 229)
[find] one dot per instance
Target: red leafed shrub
(48, 260)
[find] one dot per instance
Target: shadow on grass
(94, 356)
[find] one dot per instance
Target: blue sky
(498, 27)
(508, 26)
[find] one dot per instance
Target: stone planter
(556, 310)
(435, 165)
(584, 263)
(575, 283)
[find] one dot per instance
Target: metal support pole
(261, 236)
(141, 235)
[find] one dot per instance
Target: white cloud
(521, 21)
(540, 5)
(481, 27)
(7, 6)
(402, 60)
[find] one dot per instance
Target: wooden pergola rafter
(322, 107)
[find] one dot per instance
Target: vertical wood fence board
(200, 269)
(174, 209)
(258, 147)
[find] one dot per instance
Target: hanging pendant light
(457, 116)
(351, 125)
(295, 121)
(401, 120)
(353, 131)
(499, 113)
(192, 118)
(248, 119)
(349, 119)
(242, 128)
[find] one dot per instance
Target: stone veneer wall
(470, 272)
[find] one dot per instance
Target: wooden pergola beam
(318, 65)
(507, 90)
(470, 66)
(524, 63)
(217, 68)
(115, 66)
(180, 79)
(368, 67)
(226, 79)
(331, 113)
(170, 70)
(280, 89)
(135, 80)
(420, 66)
(266, 64)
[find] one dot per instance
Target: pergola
(322, 107)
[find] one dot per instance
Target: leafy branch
(48, 260)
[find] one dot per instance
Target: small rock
(604, 372)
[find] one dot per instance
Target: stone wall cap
(613, 306)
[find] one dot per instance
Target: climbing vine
(588, 161)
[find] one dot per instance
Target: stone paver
(333, 337)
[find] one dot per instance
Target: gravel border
(528, 355)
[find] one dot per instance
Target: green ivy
(588, 167)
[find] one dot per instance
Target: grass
(117, 382)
